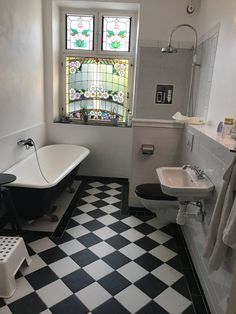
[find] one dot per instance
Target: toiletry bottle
(228, 125)
(129, 118)
(169, 96)
(219, 129)
(164, 96)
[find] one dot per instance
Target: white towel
(215, 248)
(229, 235)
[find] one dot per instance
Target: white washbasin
(184, 184)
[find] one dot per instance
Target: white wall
(21, 76)
(223, 92)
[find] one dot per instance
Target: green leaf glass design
(116, 33)
(80, 34)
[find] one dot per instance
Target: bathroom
(31, 103)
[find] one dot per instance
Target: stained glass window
(79, 32)
(99, 85)
(116, 33)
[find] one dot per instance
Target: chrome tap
(199, 172)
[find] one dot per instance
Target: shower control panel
(164, 94)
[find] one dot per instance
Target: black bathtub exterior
(33, 203)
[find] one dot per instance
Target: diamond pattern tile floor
(104, 263)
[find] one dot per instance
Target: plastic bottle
(228, 126)
(219, 129)
(129, 117)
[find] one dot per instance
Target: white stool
(12, 254)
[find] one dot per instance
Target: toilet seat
(152, 191)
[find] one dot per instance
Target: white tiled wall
(167, 143)
(164, 69)
(214, 159)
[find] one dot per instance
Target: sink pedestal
(181, 216)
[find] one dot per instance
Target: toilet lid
(152, 191)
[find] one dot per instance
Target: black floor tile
(199, 305)
(146, 243)
(111, 307)
(148, 262)
(89, 239)
(41, 277)
(71, 305)
(119, 227)
(60, 240)
(190, 310)
(52, 255)
(145, 228)
(114, 283)
(99, 204)
(30, 304)
(152, 308)
(97, 213)
(93, 225)
(77, 280)
(192, 283)
(151, 285)
(118, 241)
(84, 257)
(181, 286)
(175, 263)
(116, 259)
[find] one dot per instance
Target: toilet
(164, 206)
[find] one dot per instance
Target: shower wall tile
(158, 68)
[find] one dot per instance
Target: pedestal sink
(185, 184)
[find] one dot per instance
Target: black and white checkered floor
(106, 263)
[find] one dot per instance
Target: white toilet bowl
(165, 207)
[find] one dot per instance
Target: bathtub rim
(45, 185)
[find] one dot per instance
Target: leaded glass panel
(116, 33)
(79, 32)
(99, 85)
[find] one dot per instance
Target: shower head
(169, 49)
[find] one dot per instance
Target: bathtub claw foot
(71, 189)
(51, 217)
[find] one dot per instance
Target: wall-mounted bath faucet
(199, 172)
(27, 143)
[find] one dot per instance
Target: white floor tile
(90, 199)
(114, 185)
(159, 236)
(64, 267)
(35, 264)
(132, 251)
(96, 184)
(132, 298)
(111, 200)
(163, 253)
(23, 288)
(167, 274)
(132, 235)
(46, 312)
(178, 302)
(132, 271)
(102, 249)
(71, 247)
(77, 231)
(86, 208)
(98, 269)
(93, 296)
(54, 293)
(5, 310)
(83, 218)
(112, 192)
(42, 245)
(105, 233)
(109, 209)
(107, 220)
(93, 191)
(132, 221)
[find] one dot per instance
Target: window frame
(97, 52)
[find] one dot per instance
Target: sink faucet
(199, 172)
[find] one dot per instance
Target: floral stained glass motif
(116, 33)
(98, 84)
(79, 32)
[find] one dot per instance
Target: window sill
(94, 123)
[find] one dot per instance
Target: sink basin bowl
(184, 184)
